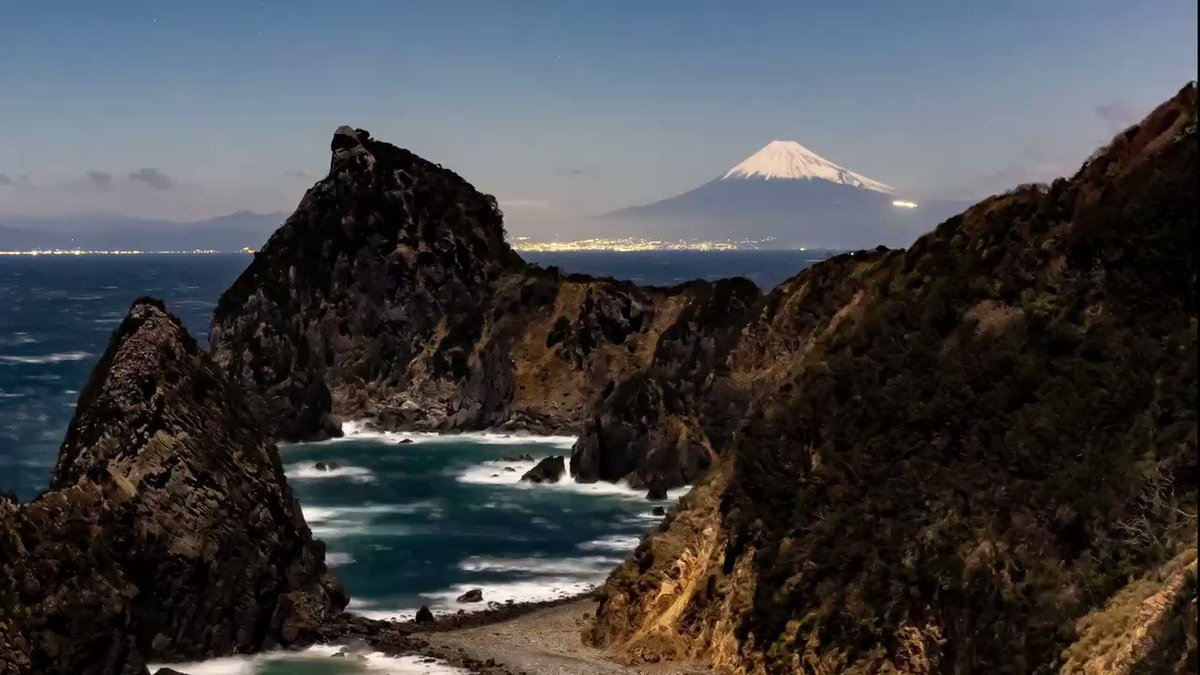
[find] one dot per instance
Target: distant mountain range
(789, 196)
(783, 196)
(230, 232)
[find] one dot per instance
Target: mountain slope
(787, 196)
(951, 454)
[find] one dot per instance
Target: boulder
(657, 492)
(425, 616)
(549, 470)
(473, 595)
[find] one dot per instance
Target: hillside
(954, 458)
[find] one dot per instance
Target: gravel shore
(546, 641)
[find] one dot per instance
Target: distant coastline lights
(77, 251)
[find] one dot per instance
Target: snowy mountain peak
(790, 160)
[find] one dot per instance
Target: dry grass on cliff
(1149, 626)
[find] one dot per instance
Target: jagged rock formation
(949, 455)
(168, 531)
(391, 294)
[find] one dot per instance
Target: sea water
(405, 524)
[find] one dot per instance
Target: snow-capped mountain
(790, 160)
(790, 196)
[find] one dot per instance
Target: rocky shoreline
(977, 454)
(168, 505)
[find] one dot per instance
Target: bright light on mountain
(904, 204)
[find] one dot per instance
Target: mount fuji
(787, 196)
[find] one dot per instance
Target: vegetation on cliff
(957, 450)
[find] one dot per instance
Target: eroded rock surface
(168, 532)
(390, 294)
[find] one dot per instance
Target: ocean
(405, 524)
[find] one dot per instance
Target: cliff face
(952, 454)
(390, 294)
(169, 530)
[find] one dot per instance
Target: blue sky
(185, 110)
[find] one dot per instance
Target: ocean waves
(358, 431)
(311, 471)
(56, 357)
(340, 659)
(508, 474)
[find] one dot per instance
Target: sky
(185, 110)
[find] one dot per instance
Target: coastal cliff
(391, 295)
(168, 531)
(975, 455)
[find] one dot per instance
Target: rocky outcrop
(949, 456)
(390, 294)
(168, 532)
(473, 595)
(548, 470)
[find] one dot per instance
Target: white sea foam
(57, 357)
(493, 473)
(17, 338)
(371, 662)
(318, 514)
(309, 471)
(622, 543)
(358, 431)
(333, 521)
(445, 601)
(338, 558)
(587, 566)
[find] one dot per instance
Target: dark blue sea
(405, 524)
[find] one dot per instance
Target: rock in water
(425, 616)
(657, 492)
(549, 470)
(168, 532)
(473, 595)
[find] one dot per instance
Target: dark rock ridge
(390, 294)
(168, 531)
(976, 455)
(548, 470)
